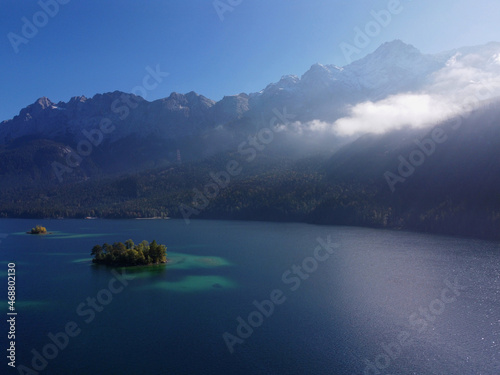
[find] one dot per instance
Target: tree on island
(38, 230)
(129, 254)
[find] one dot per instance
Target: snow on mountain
(391, 68)
(465, 77)
(322, 93)
(286, 83)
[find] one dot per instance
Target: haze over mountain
(322, 93)
(335, 140)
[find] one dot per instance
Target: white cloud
(496, 59)
(457, 88)
(453, 60)
(313, 127)
(395, 112)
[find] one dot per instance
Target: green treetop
(129, 254)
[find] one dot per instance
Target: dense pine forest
(272, 189)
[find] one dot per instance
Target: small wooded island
(129, 254)
(38, 230)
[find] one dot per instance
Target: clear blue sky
(92, 47)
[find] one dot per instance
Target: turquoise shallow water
(372, 302)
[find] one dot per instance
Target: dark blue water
(367, 302)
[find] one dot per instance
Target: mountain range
(398, 139)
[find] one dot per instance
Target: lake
(253, 298)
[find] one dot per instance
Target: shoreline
(395, 229)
